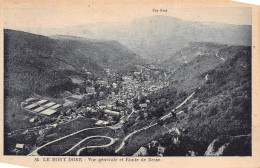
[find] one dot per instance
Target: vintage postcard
(130, 83)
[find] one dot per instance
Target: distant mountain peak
(157, 18)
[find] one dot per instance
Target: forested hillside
(219, 110)
(35, 63)
(224, 102)
(190, 66)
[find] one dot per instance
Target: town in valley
(152, 86)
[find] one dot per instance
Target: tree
(160, 122)
(173, 114)
(117, 103)
(141, 114)
(213, 110)
(142, 100)
(116, 118)
(159, 112)
(101, 113)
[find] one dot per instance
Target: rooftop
(42, 101)
(49, 104)
(49, 112)
(55, 106)
(112, 112)
(39, 109)
(31, 106)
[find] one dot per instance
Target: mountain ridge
(156, 37)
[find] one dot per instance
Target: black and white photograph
(127, 80)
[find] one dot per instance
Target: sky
(55, 14)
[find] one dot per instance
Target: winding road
(145, 128)
(112, 141)
(219, 56)
(129, 135)
(130, 115)
(35, 152)
(180, 105)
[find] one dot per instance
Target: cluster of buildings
(41, 106)
(111, 107)
(118, 102)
